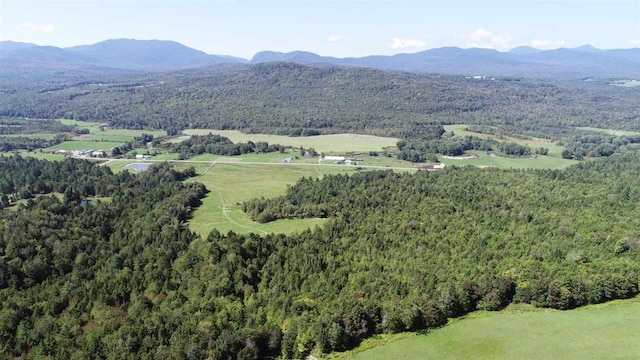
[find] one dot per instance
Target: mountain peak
(587, 48)
(524, 50)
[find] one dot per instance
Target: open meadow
(603, 331)
(231, 184)
(335, 143)
(492, 160)
(610, 131)
(554, 149)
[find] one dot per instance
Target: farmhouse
(141, 156)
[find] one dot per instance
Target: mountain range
(126, 55)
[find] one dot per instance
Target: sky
(341, 28)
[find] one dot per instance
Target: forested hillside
(291, 99)
(124, 278)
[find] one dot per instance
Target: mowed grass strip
(335, 143)
(232, 184)
(610, 131)
(605, 331)
(487, 160)
(533, 143)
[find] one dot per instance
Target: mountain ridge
(164, 55)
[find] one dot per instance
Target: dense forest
(123, 277)
(291, 99)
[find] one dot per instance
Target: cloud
(336, 38)
(41, 28)
(483, 38)
(404, 43)
(546, 43)
(634, 42)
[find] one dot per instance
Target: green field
(336, 143)
(610, 131)
(84, 145)
(486, 160)
(106, 134)
(231, 184)
(36, 154)
(554, 149)
(604, 331)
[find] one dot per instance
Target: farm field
(610, 131)
(604, 331)
(231, 184)
(108, 136)
(554, 149)
(335, 143)
(84, 145)
(486, 160)
(35, 154)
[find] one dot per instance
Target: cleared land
(605, 331)
(100, 137)
(487, 160)
(35, 154)
(554, 149)
(231, 184)
(610, 131)
(322, 143)
(84, 145)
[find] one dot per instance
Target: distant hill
(26, 61)
(524, 61)
(524, 50)
(147, 55)
(6, 46)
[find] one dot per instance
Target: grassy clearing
(604, 331)
(322, 143)
(167, 156)
(231, 184)
(84, 145)
(610, 131)
(36, 154)
(486, 160)
(79, 123)
(554, 149)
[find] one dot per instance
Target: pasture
(231, 184)
(554, 149)
(84, 145)
(488, 160)
(35, 154)
(610, 131)
(604, 331)
(335, 143)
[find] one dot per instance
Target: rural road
(240, 162)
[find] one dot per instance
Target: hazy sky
(328, 27)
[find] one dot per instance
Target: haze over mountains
(124, 55)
